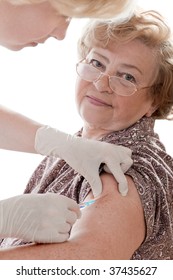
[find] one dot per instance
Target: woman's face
(29, 25)
(103, 109)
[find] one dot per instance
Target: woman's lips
(98, 102)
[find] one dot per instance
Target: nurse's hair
(87, 8)
(150, 28)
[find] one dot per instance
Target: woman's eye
(128, 77)
(96, 63)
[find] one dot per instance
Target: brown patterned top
(152, 173)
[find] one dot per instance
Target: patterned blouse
(152, 173)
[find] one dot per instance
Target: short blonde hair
(151, 29)
(87, 8)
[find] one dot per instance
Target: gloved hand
(85, 156)
(42, 218)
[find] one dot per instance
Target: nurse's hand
(41, 218)
(86, 156)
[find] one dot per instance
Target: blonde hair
(87, 8)
(151, 29)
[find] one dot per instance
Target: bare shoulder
(114, 225)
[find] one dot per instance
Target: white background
(39, 83)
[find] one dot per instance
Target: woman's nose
(60, 31)
(102, 85)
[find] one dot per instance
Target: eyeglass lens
(119, 85)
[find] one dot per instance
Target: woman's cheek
(80, 91)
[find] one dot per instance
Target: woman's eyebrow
(132, 67)
(102, 56)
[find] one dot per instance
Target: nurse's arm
(111, 228)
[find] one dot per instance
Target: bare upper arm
(111, 228)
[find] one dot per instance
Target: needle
(86, 203)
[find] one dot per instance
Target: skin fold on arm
(111, 228)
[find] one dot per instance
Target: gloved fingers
(95, 182)
(64, 228)
(122, 157)
(106, 169)
(127, 151)
(77, 211)
(62, 237)
(53, 238)
(120, 178)
(59, 233)
(123, 187)
(71, 217)
(125, 165)
(73, 206)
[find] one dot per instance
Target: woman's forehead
(132, 48)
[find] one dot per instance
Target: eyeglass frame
(109, 76)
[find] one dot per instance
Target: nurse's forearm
(17, 132)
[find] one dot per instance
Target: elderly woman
(26, 23)
(119, 94)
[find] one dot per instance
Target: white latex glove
(85, 156)
(41, 218)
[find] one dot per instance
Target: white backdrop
(39, 83)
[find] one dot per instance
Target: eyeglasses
(119, 85)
